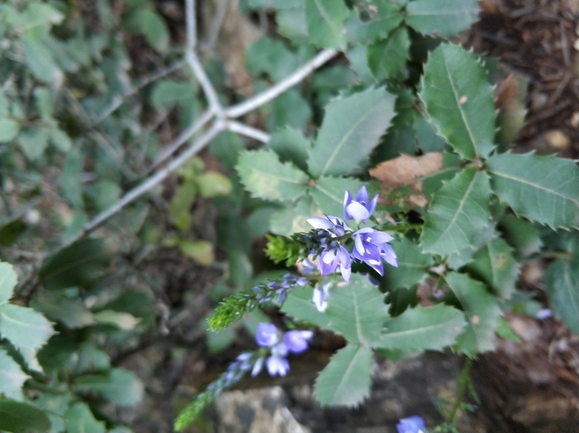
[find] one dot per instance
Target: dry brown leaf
(406, 169)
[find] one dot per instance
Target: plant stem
(463, 380)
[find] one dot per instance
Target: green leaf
(441, 17)
(60, 140)
(495, 265)
(71, 180)
(79, 419)
(357, 311)
(325, 20)
(213, 183)
(8, 130)
(459, 100)
(412, 265)
(420, 328)
(55, 406)
(8, 281)
(44, 103)
(347, 378)
(271, 57)
(387, 58)
(118, 319)
(383, 17)
(351, 128)
(264, 176)
(562, 285)
(328, 193)
(201, 251)
(458, 212)
(521, 235)
(291, 146)
(540, 188)
(151, 25)
(10, 232)
(426, 137)
(33, 142)
(40, 62)
(17, 417)
(118, 386)
(289, 109)
(167, 93)
(11, 377)
(292, 24)
(482, 312)
(77, 265)
(300, 306)
(71, 314)
(293, 218)
(275, 4)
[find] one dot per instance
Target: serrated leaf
(8, 281)
(118, 386)
(541, 188)
(562, 285)
(79, 419)
(441, 17)
(357, 311)
(11, 376)
(495, 265)
(387, 58)
(328, 193)
(18, 417)
(351, 128)
(300, 306)
(412, 265)
(264, 176)
(458, 259)
(325, 20)
(420, 328)
(482, 312)
(291, 146)
(384, 17)
(459, 211)
(459, 100)
(347, 378)
(293, 218)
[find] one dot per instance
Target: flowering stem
(463, 381)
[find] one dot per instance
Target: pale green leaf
(201, 251)
(264, 176)
(275, 4)
(325, 20)
(24, 327)
(458, 212)
(18, 417)
(118, 386)
(482, 313)
(328, 193)
(300, 306)
(412, 265)
(11, 376)
(79, 419)
(152, 26)
(41, 63)
(351, 128)
(562, 285)
(495, 265)
(33, 142)
(44, 103)
(213, 183)
(55, 406)
(71, 179)
(441, 17)
(459, 100)
(167, 93)
(347, 378)
(291, 146)
(541, 188)
(8, 130)
(292, 24)
(383, 16)
(119, 319)
(357, 310)
(387, 58)
(60, 140)
(293, 218)
(420, 328)
(8, 281)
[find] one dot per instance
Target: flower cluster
(370, 245)
(413, 424)
(280, 290)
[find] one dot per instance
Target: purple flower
(371, 247)
(257, 367)
(333, 224)
(335, 258)
(277, 365)
(297, 341)
(320, 295)
(413, 424)
(359, 209)
(266, 335)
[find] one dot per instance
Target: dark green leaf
(383, 16)
(521, 235)
(289, 109)
(387, 58)
(291, 146)
(271, 57)
(412, 265)
(151, 25)
(63, 310)
(441, 17)
(118, 386)
(80, 419)
(17, 417)
(10, 233)
(325, 20)
(300, 306)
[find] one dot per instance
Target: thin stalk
(463, 381)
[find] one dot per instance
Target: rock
(557, 139)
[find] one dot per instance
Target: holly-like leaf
(118, 386)
(7, 282)
(459, 211)
(387, 58)
(325, 21)
(357, 311)
(459, 100)
(482, 313)
(562, 284)
(541, 188)
(11, 376)
(18, 417)
(419, 328)
(79, 418)
(383, 17)
(291, 146)
(328, 193)
(347, 378)
(300, 306)
(495, 265)
(441, 17)
(264, 176)
(412, 265)
(351, 128)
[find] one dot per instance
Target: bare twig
(266, 96)
(248, 131)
